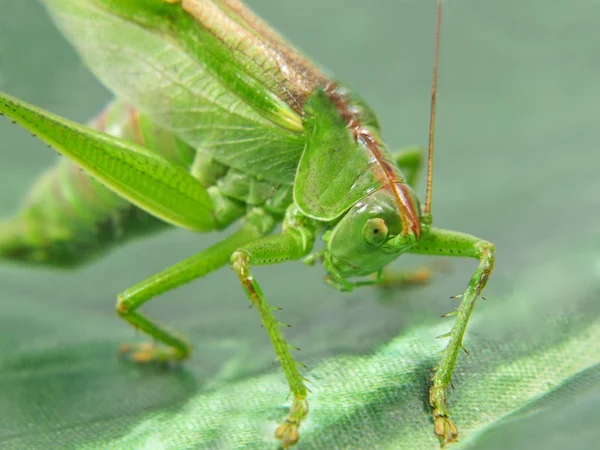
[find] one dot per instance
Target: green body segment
(229, 123)
(69, 217)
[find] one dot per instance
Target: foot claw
(445, 430)
(444, 427)
(288, 434)
(146, 353)
(401, 279)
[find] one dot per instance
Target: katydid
(218, 120)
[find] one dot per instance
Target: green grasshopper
(229, 123)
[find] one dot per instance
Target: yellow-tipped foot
(147, 353)
(445, 430)
(288, 432)
(443, 426)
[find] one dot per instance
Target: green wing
(208, 75)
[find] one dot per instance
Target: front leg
(450, 243)
(295, 242)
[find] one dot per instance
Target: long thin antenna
(432, 116)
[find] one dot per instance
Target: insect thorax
(233, 192)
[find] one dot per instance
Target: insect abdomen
(69, 217)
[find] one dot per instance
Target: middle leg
(255, 225)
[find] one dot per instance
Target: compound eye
(375, 231)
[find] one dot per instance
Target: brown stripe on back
(281, 68)
(268, 34)
(409, 214)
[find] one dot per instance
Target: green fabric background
(517, 163)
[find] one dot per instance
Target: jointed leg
(442, 242)
(218, 255)
(293, 243)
